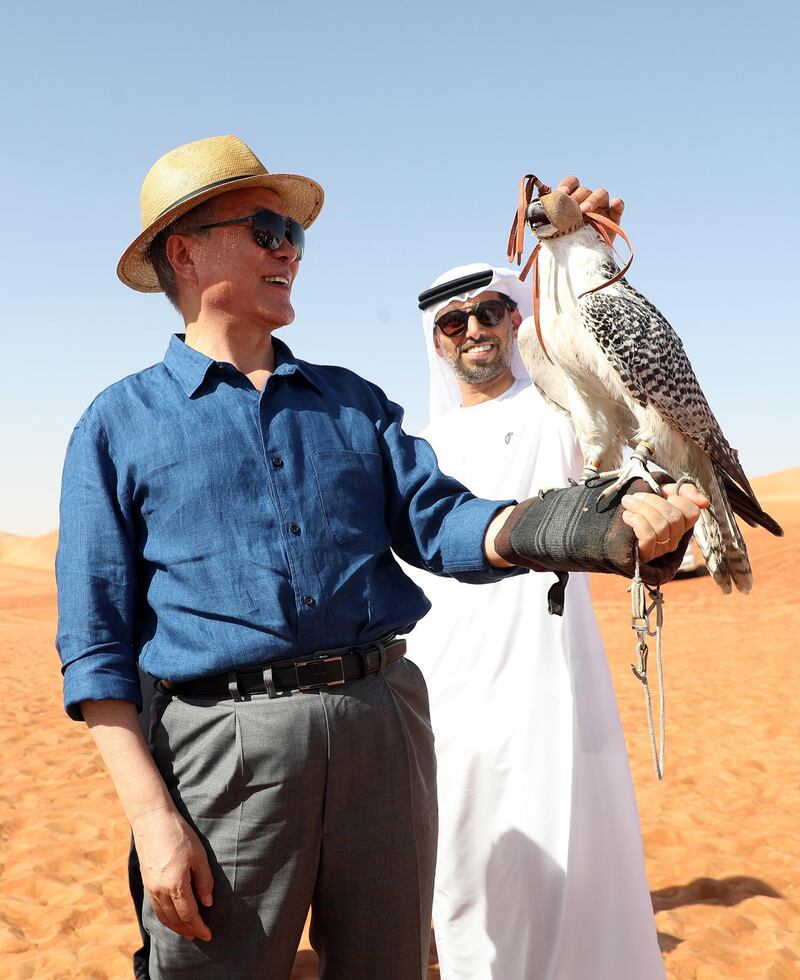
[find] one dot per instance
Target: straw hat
(195, 172)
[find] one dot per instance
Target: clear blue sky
(418, 120)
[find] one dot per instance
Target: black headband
(202, 190)
(454, 287)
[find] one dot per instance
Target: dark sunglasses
(269, 230)
(488, 313)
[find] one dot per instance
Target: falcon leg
(635, 467)
(590, 472)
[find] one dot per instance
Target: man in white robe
(540, 874)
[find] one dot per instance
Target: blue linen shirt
(207, 526)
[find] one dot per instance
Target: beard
(479, 373)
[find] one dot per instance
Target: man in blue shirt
(228, 519)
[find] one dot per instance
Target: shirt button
(277, 462)
(294, 528)
(309, 600)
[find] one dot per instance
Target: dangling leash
(516, 245)
(640, 622)
(516, 239)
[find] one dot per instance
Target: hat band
(455, 287)
(202, 190)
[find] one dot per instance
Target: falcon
(600, 351)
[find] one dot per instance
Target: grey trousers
(324, 799)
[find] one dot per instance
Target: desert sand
(720, 832)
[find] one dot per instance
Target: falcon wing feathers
(748, 508)
(649, 357)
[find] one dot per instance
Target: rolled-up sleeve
(434, 521)
(96, 570)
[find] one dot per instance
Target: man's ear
(516, 320)
(436, 343)
(180, 256)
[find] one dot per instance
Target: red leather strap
(534, 263)
(532, 260)
(516, 246)
(516, 239)
(603, 226)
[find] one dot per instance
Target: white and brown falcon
(600, 351)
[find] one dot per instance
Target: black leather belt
(325, 668)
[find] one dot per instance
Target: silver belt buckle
(318, 682)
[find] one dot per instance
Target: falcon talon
(636, 467)
(624, 476)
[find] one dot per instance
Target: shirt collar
(187, 365)
(190, 368)
(286, 363)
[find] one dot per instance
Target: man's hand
(660, 523)
(174, 869)
(171, 855)
(597, 200)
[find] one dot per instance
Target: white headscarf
(444, 391)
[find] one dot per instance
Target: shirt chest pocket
(353, 497)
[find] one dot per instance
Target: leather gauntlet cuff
(572, 530)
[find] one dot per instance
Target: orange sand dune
(38, 552)
(784, 485)
(720, 832)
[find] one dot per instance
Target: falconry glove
(572, 529)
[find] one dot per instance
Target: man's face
(236, 278)
(482, 353)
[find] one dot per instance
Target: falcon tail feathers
(720, 540)
(747, 507)
(712, 548)
(735, 548)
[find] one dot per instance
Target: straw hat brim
(301, 196)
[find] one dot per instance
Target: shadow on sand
(666, 942)
(711, 891)
(707, 891)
